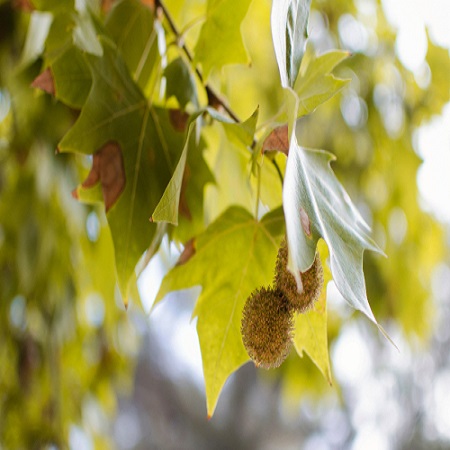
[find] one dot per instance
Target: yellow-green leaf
(220, 40)
(311, 327)
(235, 255)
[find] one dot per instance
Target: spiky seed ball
(312, 281)
(266, 327)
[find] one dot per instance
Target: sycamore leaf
(131, 25)
(197, 175)
(289, 21)
(315, 83)
(167, 208)
(181, 83)
(231, 164)
(241, 133)
(72, 78)
(312, 192)
(220, 40)
(117, 111)
(310, 334)
(235, 255)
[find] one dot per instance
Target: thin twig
(214, 99)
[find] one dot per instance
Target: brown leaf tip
(188, 252)
(45, 82)
(108, 169)
(267, 327)
(277, 140)
(75, 194)
(179, 119)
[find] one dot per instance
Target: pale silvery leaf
(289, 21)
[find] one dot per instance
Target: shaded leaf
(116, 110)
(180, 83)
(235, 255)
(310, 334)
(220, 40)
(289, 21)
(72, 78)
(131, 24)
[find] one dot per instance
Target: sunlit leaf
(167, 208)
(310, 334)
(235, 255)
(220, 40)
(316, 84)
(289, 22)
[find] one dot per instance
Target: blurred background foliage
(77, 370)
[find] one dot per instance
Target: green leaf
(316, 84)
(230, 160)
(181, 83)
(289, 21)
(316, 205)
(167, 208)
(131, 25)
(235, 255)
(117, 115)
(310, 334)
(72, 78)
(241, 133)
(220, 41)
(53, 5)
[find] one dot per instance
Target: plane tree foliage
(224, 127)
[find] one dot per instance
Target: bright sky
(412, 18)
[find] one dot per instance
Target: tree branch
(214, 99)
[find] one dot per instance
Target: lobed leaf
(316, 84)
(312, 193)
(181, 83)
(220, 41)
(235, 255)
(131, 25)
(117, 111)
